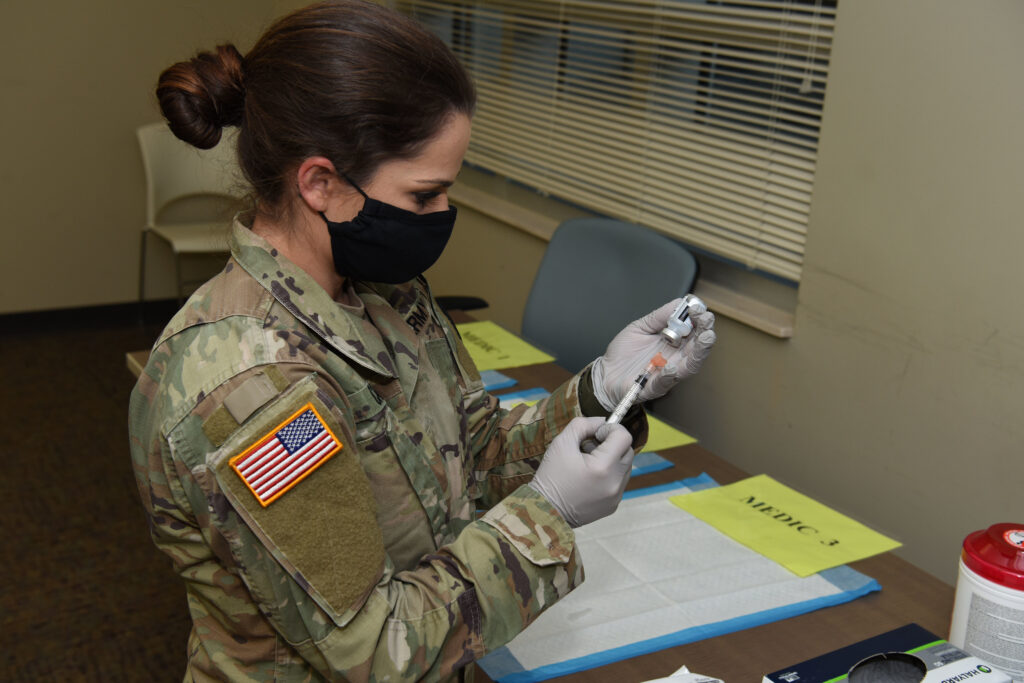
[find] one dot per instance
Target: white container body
(988, 622)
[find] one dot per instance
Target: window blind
(697, 118)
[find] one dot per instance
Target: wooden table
(908, 595)
(135, 361)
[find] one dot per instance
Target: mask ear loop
(353, 184)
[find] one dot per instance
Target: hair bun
(201, 96)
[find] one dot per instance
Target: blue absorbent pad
(494, 380)
(645, 463)
(658, 577)
(514, 398)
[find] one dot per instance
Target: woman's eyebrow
(442, 183)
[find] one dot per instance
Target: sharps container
(988, 615)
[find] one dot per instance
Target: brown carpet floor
(85, 595)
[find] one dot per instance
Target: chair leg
(142, 276)
(142, 267)
(177, 276)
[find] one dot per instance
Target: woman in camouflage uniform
(310, 439)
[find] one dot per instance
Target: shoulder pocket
(293, 475)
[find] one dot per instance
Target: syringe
(678, 327)
(657, 363)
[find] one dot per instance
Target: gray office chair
(598, 275)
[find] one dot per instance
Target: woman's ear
(317, 181)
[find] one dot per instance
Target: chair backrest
(598, 275)
(176, 170)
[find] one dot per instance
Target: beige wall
(77, 79)
(900, 398)
(470, 266)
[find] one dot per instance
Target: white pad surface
(657, 576)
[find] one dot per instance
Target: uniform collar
(308, 301)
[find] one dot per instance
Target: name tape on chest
(286, 455)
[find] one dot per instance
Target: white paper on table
(656, 576)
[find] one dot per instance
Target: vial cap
(997, 554)
(675, 331)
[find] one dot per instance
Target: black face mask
(385, 243)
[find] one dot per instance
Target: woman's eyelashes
(424, 199)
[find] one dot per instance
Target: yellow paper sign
(662, 436)
(492, 347)
(783, 525)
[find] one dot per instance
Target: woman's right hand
(585, 487)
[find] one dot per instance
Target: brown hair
(349, 80)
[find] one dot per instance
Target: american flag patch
(287, 455)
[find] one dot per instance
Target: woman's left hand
(632, 349)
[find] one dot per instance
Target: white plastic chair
(175, 171)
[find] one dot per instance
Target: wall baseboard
(154, 312)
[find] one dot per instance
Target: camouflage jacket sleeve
(509, 444)
(312, 564)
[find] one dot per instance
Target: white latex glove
(632, 349)
(585, 487)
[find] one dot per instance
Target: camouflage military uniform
(373, 566)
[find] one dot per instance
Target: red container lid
(997, 553)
